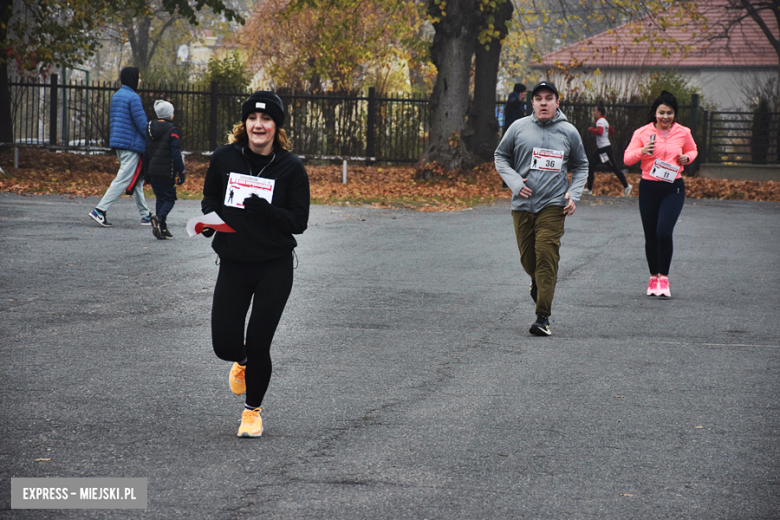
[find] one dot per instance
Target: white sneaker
(100, 217)
(627, 190)
(586, 191)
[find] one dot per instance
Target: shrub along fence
(385, 129)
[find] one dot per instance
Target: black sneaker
(165, 233)
(534, 290)
(541, 327)
(156, 227)
(100, 217)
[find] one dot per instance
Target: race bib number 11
(663, 171)
(547, 160)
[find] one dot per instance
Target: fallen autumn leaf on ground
(81, 175)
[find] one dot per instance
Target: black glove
(208, 232)
(255, 205)
(207, 208)
(180, 178)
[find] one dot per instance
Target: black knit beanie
(267, 102)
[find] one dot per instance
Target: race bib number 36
(663, 171)
(241, 186)
(547, 160)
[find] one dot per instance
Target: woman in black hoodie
(256, 262)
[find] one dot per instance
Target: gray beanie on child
(163, 109)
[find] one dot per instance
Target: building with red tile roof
(721, 67)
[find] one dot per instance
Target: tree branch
(756, 16)
(156, 41)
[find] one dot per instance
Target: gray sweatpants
(128, 162)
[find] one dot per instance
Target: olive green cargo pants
(539, 241)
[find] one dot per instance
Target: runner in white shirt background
(603, 154)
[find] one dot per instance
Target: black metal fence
(388, 129)
(739, 137)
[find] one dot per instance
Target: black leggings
(595, 159)
(270, 284)
(660, 204)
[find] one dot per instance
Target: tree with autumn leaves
(37, 34)
(325, 45)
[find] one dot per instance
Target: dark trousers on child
(266, 285)
(165, 190)
(660, 204)
(595, 159)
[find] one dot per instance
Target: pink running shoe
(652, 286)
(663, 287)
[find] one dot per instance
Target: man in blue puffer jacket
(128, 138)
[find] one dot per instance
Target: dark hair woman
(664, 148)
(255, 262)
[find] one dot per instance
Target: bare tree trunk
(136, 28)
(483, 135)
(6, 130)
(453, 46)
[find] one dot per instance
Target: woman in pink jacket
(665, 148)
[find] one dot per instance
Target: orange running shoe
(238, 379)
(251, 423)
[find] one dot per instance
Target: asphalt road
(405, 383)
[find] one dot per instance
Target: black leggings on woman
(660, 204)
(269, 283)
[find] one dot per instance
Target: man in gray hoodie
(533, 159)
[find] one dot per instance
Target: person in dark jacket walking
(514, 109)
(255, 262)
(128, 138)
(515, 106)
(163, 165)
